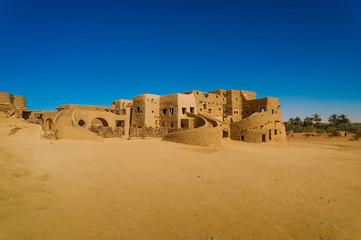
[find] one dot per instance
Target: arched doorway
(49, 125)
(99, 122)
(81, 123)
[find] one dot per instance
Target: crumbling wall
(9, 101)
(19, 102)
(38, 117)
(6, 99)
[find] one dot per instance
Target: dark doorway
(270, 134)
(263, 137)
(225, 134)
(26, 114)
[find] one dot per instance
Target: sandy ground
(150, 189)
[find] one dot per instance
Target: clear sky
(306, 53)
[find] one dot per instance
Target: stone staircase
(220, 123)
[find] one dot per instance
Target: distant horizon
(305, 53)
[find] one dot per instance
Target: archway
(99, 122)
(49, 125)
(81, 123)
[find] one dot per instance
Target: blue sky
(307, 53)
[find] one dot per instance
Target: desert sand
(307, 188)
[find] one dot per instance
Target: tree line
(314, 124)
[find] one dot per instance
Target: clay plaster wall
(82, 107)
(65, 124)
(252, 128)
(122, 107)
(267, 104)
(169, 111)
(86, 118)
(19, 102)
(234, 105)
(210, 104)
(39, 117)
(6, 98)
(174, 108)
(65, 128)
(8, 101)
(197, 136)
(145, 111)
(248, 95)
(203, 135)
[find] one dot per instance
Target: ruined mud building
(194, 117)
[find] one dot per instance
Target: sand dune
(151, 189)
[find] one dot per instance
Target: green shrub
(319, 132)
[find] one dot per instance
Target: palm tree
(291, 121)
(316, 118)
(308, 121)
(298, 121)
(333, 118)
(342, 119)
